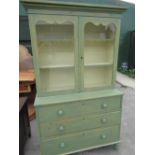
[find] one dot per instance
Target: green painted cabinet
(75, 48)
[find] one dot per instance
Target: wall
(127, 25)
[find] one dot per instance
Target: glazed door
(54, 43)
(99, 43)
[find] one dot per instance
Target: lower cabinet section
(83, 121)
(81, 141)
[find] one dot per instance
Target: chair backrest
(25, 58)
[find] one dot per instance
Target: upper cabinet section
(74, 45)
(99, 51)
(54, 48)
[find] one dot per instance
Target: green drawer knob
(103, 136)
(61, 128)
(103, 120)
(60, 112)
(104, 106)
(62, 145)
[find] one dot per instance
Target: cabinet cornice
(45, 4)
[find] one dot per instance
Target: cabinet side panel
(38, 128)
(116, 50)
(34, 50)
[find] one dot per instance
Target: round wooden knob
(104, 105)
(62, 145)
(61, 128)
(103, 120)
(103, 136)
(60, 112)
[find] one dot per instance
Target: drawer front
(79, 141)
(80, 108)
(62, 127)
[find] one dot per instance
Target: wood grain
(26, 76)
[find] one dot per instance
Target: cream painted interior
(57, 79)
(56, 56)
(98, 56)
(97, 76)
(48, 32)
(56, 45)
(56, 53)
(98, 52)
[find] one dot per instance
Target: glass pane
(56, 56)
(98, 54)
(57, 79)
(97, 76)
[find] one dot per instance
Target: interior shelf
(98, 52)
(97, 77)
(55, 32)
(99, 40)
(98, 64)
(55, 66)
(49, 39)
(57, 79)
(55, 54)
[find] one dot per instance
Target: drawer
(81, 141)
(67, 110)
(61, 127)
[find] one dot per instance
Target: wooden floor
(127, 145)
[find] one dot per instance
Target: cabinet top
(48, 4)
